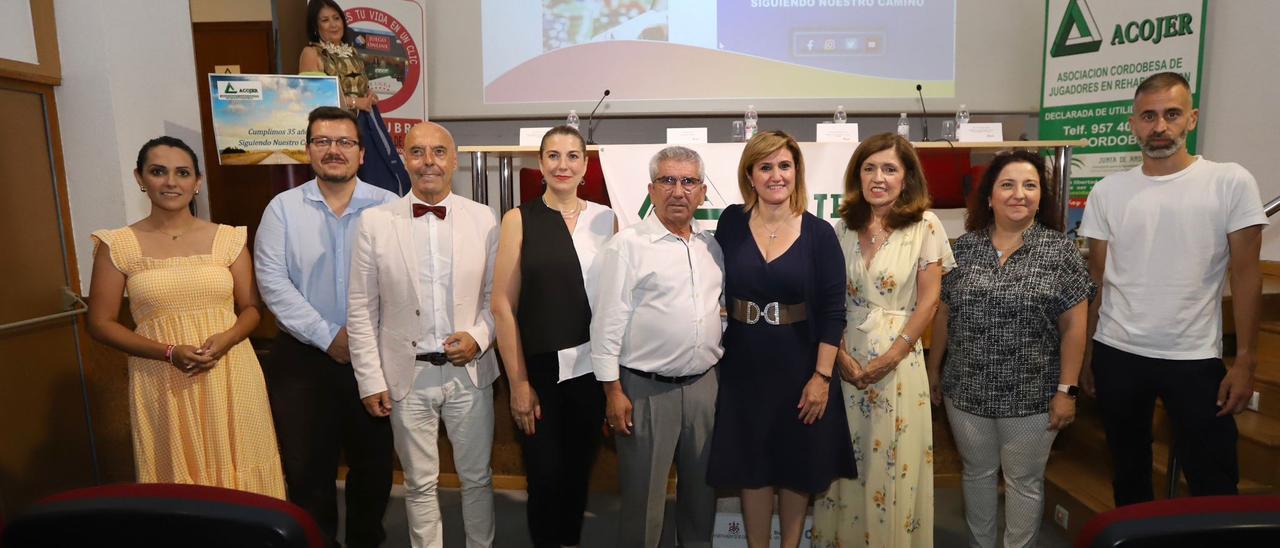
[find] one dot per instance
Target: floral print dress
(891, 501)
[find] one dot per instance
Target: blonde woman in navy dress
(779, 426)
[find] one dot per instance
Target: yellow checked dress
(214, 428)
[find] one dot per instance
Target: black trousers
(559, 455)
(319, 418)
(1205, 444)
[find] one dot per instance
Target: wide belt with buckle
(663, 378)
(433, 358)
(772, 313)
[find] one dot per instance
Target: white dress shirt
(593, 229)
(656, 303)
(433, 241)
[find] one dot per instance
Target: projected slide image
(733, 48)
(569, 22)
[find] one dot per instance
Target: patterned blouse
(1002, 335)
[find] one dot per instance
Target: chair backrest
(1190, 521)
(159, 514)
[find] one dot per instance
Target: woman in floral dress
(895, 252)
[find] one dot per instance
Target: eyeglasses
(668, 182)
(342, 142)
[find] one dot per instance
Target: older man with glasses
(655, 335)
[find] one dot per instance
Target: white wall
(17, 32)
(128, 75)
(209, 11)
(1239, 121)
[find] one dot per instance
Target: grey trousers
(672, 422)
(1020, 447)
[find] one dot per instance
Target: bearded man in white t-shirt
(1161, 238)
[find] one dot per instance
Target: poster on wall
(391, 37)
(1096, 53)
(262, 118)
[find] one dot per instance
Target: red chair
(946, 169)
(592, 189)
(1190, 521)
(162, 514)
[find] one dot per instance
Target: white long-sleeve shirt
(656, 302)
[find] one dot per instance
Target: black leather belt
(433, 358)
(664, 378)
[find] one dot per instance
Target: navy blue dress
(759, 439)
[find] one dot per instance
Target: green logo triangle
(1080, 20)
(645, 207)
(229, 89)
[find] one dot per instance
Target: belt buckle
(773, 313)
(753, 313)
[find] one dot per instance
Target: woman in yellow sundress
(895, 251)
(197, 400)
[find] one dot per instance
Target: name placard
(532, 136)
(988, 132)
(686, 135)
(837, 133)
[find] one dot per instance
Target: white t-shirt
(1167, 255)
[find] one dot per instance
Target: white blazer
(383, 321)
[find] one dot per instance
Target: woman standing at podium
(197, 400)
(331, 52)
(542, 316)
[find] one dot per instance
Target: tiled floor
(600, 526)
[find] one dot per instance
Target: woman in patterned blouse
(1012, 321)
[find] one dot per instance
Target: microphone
(925, 120)
(591, 126)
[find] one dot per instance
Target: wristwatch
(1070, 390)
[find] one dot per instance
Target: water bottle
(962, 116)
(572, 120)
(904, 126)
(840, 117)
(751, 120)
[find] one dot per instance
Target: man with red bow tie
(420, 333)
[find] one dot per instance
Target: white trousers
(1020, 446)
(445, 392)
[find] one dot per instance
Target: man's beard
(1160, 153)
(333, 177)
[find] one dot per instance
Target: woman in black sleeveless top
(542, 315)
